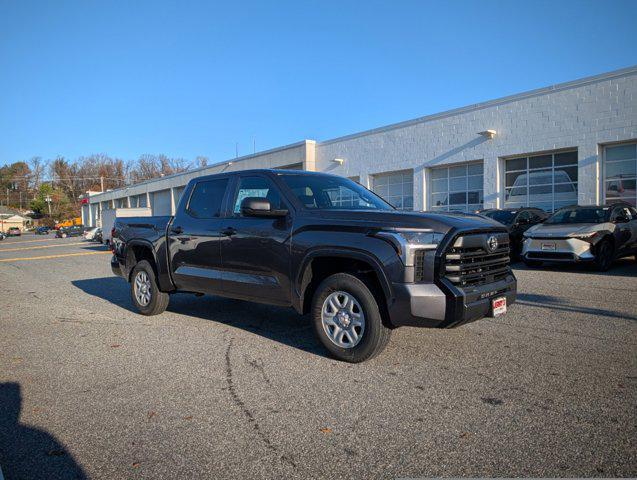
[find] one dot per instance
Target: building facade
(575, 142)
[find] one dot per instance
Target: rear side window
(206, 198)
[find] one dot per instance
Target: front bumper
(116, 267)
(557, 250)
(444, 305)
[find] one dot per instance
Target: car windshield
(503, 216)
(324, 192)
(579, 215)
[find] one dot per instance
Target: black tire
(374, 337)
(604, 255)
(158, 301)
(531, 263)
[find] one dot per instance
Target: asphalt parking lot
(218, 388)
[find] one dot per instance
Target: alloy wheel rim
(142, 288)
(343, 319)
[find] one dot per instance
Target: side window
(525, 215)
(617, 212)
(259, 187)
(206, 198)
(627, 213)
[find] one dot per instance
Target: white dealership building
(574, 142)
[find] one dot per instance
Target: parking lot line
(45, 257)
(39, 246)
(28, 241)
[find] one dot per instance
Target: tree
(55, 199)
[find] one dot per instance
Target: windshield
(579, 215)
(324, 192)
(503, 216)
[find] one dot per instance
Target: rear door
(194, 238)
(256, 250)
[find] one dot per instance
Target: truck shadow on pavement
(551, 302)
(280, 324)
(28, 452)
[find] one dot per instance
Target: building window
(138, 201)
(457, 188)
(620, 173)
(547, 181)
(397, 188)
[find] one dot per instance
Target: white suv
(580, 234)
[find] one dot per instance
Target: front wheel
(347, 319)
(605, 255)
(145, 293)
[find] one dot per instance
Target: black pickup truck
(323, 245)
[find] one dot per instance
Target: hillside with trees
(53, 187)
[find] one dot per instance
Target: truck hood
(563, 230)
(439, 222)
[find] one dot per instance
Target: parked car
(2, 236)
(14, 232)
(73, 231)
(583, 234)
(98, 236)
(89, 233)
(517, 221)
(42, 230)
(323, 245)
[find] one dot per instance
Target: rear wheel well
(320, 268)
(137, 253)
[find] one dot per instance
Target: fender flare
(139, 242)
(301, 283)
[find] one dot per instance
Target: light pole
(47, 199)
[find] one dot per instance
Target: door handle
(177, 230)
(228, 232)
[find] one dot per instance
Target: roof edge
(623, 72)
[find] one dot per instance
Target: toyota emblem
(492, 243)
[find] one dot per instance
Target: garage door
(396, 188)
(547, 181)
(95, 215)
(458, 188)
(620, 173)
(161, 203)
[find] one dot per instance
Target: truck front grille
(471, 262)
(419, 266)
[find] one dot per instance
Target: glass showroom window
(457, 188)
(547, 181)
(396, 188)
(620, 173)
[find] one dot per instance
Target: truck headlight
(407, 241)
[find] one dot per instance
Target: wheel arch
(138, 250)
(317, 265)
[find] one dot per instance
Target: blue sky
(188, 78)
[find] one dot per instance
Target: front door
(256, 250)
(194, 239)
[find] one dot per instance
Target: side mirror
(259, 207)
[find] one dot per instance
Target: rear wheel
(145, 293)
(604, 256)
(347, 319)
